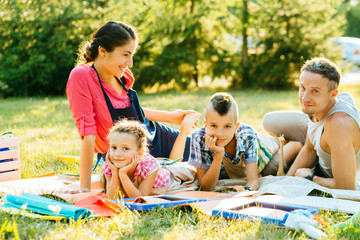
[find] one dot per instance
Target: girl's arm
(86, 162)
(126, 174)
(144, 188)
(252, 175)
(187, 124)
(113, 189)
(165, 116)
(113, 186)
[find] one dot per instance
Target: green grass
(46, 129)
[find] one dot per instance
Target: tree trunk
(244, 53)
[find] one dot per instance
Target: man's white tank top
(345, 103)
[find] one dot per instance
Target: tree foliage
(181, 41)
(286, 33)
(353, 20)
(181, 45)
(39, 42)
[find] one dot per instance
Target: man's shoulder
(339, 121)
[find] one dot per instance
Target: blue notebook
(45, 206)
(152, 202)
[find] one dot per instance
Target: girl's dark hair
(112, 34)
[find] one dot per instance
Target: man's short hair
(222, 102)
(325, 68)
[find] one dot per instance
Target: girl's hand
(131, 166)
(179, 115)
(210, 142)
(109, 163)
(189, 122)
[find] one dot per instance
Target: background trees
(248, 43)
(39, 41)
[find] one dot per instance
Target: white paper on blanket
(46, 185)
(234, 200)
(291, 187)
(323, 203)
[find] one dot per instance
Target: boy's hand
(210, 142)
(131, 166)
(189, 122)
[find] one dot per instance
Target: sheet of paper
(322, 203)
(291, 187)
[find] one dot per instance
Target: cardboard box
(9, 159)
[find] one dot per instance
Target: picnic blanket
(45, 206)
(290, 187)
(100, 205)
(52, 185)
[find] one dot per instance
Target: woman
(99, 93)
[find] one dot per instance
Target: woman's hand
(74, 188)
(179, 115)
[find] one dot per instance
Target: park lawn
(46, 130)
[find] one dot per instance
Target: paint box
(9, 159)
(153, 202)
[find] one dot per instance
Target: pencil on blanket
(280, 171)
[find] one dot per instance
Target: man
(333, 134)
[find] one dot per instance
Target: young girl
(130, 171)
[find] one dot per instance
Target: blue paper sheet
(45, 205)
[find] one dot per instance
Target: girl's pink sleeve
(80, 101)
(148, 165)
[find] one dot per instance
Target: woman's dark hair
(112, 34)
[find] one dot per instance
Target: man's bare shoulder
(340, 120)
(340, 126)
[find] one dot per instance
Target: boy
(224, 148)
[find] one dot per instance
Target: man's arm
(340, 132)
(305, 159)
(325, 182)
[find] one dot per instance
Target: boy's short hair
(222, 102)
